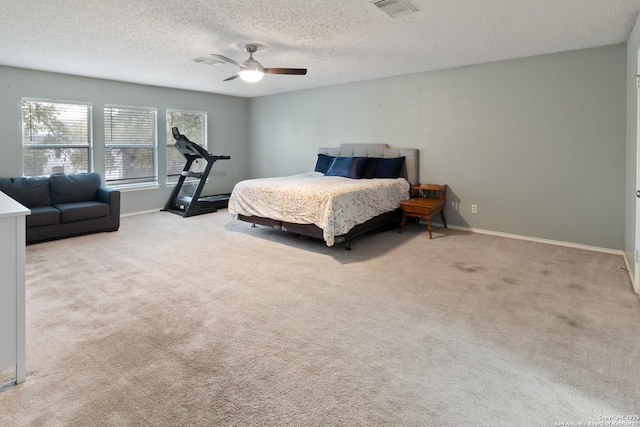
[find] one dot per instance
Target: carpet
(206, 321)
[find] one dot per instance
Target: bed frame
(410, 171)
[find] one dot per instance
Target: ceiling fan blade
(232, 78)
(291, 71)
(224, 58)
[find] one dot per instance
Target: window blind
(56, 137)
(130, 145)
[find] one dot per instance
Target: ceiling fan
(252, 71)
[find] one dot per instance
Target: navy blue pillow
(369, 170)
(389, 167)
(349, 167)
(323, 163)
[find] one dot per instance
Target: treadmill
(195, 204)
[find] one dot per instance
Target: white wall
(227, 125)
(537, 143)
(633, 68)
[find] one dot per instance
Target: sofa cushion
(30, 191)
(71, 212)
(74, 188)
(43, 215)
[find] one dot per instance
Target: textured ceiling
(155, 41)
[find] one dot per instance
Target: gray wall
(227, 125)
(633, 68)
(537, 143)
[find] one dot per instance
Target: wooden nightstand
(427, 200)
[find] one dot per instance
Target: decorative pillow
(74, 188)
(369, 170)
(349, 167)
(389, 167)
(323, 163)
(31, 191)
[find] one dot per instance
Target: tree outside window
(193, 125)
(56, 137)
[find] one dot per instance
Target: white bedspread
(333, 203)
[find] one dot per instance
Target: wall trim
(140, 212)
(537, 239)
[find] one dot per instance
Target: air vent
(396, 8)
(208, 61)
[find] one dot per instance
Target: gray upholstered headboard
(410, 171)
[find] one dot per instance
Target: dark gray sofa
(65, 205)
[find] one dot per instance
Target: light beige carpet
(205, 321)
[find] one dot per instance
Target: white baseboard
(537, 239)
(140, 212)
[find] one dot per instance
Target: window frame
(171, 141)
(131, 182)
(89, 146)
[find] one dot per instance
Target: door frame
(636, 261)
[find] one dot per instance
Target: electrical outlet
(474, 208)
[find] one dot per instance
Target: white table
(12, 289)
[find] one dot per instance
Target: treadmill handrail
(188, 148)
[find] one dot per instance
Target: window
(193, 125)
(56, 137)
(130, 145)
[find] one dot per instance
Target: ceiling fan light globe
(251, 75)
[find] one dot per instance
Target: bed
(330, 203)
